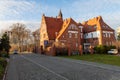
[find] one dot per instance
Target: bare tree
(36, 35)
(19, 34)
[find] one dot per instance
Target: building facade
(97, 32)
(75, 35)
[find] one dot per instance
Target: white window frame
(76, 44)
(70, 35)
(81, 35)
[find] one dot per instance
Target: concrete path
(40, 67)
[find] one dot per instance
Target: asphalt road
(40, 67)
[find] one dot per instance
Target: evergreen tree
(5, 44)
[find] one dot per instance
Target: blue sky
(29, 12)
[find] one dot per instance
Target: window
(81, 29)
(95, 27)
(76, 36)
(56, 33)
(63, 44)
(72, 26)
(86, 34)
(106, 43)
(44, 35)
(70, 35)
(110, 43)
(76, 44)
(109, 34)
(81, 35)
(106, 34)
(103, 26)
(91, 35)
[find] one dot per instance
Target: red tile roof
(53, 25)
(98, 22)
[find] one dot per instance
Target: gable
(53, 26)
(43, 31)
(96, 23)
(69, 24)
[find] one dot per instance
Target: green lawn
(1, 72)
(100, 58)
(3, 64)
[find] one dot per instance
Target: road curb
(4, 77)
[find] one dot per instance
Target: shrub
(99, 49)
(102, 49)
(3, 64)
(61, 51)
(4, 54)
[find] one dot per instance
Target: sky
(29, 12)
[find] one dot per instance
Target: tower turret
(60, 15)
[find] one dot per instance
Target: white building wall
(94, 34)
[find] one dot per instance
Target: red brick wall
(74, 41)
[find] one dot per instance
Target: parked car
(15, 52)
(113, 51)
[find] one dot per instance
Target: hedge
(102, 49)
(4, 54)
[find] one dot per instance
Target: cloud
(83, 10)
(113, 1)
(80, 10)
(15, 9)
(6, 25)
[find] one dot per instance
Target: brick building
(75, 35)
(97, 32)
